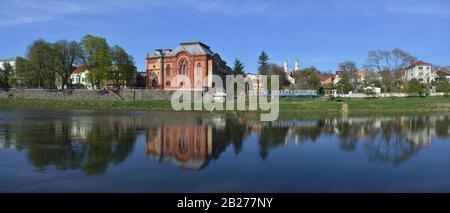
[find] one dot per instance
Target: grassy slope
(286, 105)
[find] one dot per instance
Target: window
(183, 67)
(197, 145)
(182, 146)
(167, 83)
(420, 68)
(199, 74)
(199, 70)
(168, 70)
(167, 143)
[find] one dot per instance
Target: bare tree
(401, 60)
(348, 66)
(388, 61)
(389, 64)
(378, 60)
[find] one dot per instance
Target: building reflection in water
(189, 146)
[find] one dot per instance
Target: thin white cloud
(414, 7)
(17, 12)
(230, 7)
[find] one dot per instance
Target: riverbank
(291, 105)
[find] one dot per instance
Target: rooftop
(442, 73)
(324, 77)
(420, 63)
(80, 69)
(193, 48)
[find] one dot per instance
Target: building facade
(420, 70)
(326, 78)
(12, 61)
(189, 146)
(191, 59)
(79, 78)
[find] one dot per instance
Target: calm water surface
(91, 151)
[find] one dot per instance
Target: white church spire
(296, 65)
(286, 66)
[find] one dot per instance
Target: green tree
(344, 86)
(313, 80)
(414, 87)
(370, 92)
(442, 85)
(122, 69)
(67, 57)
(238, 68)
(274, 69)
(42, 64)
(6, 75)
(263, 63)
(350, 69)
(23, 73)
(95, 54)
(307, 78)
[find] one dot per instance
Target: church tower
(286, 66)
(296, 65)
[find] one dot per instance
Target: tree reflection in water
(95, 142)
(89, 144)
(385, 139)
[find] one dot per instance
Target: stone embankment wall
(142, 94)
(81, 94)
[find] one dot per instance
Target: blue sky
(320, 33)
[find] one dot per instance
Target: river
(118, 151)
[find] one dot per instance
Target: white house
(440, 74)
(420, 70)
(11, 61)
(79, 77)
(376, 90)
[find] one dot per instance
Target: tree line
(382, 68)
(49, 65)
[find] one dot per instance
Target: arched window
(197, 145)
(183, 67)
(168, 70)
(199, 70)
(182, 146)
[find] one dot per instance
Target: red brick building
(193, 59)
(189, 146)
